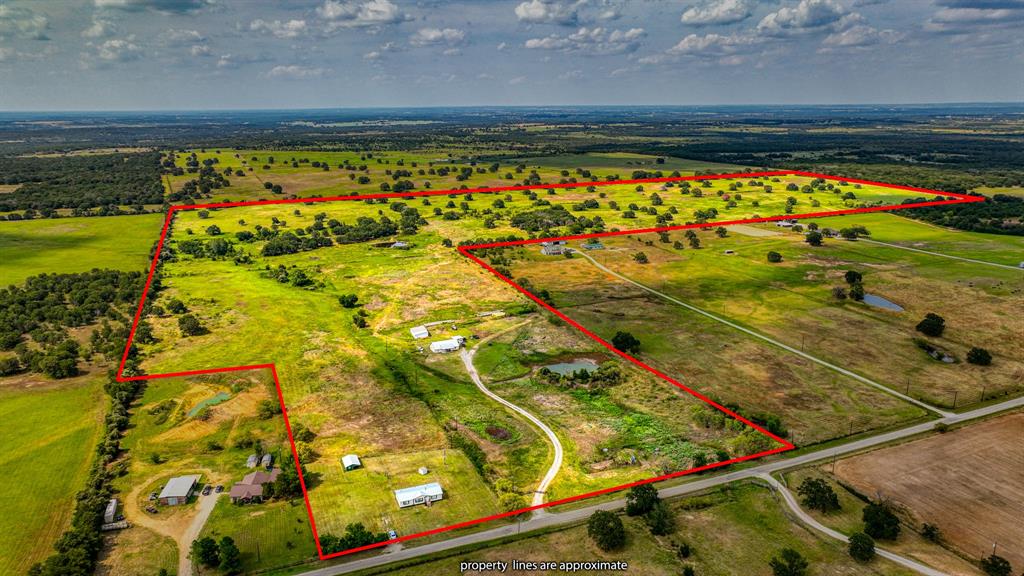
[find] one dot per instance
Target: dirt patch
(967, 482)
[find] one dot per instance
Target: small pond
(220, 397)
(879, 302)
(567, 368)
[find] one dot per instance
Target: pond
(220, 397)
(567, 368)
(879, 302)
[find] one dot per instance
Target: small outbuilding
(423, 494)
(351, 462)
(552, 248)
(419, 332)
(252, 461)
(267, 461)
(449, 345)
(400, 245)
(110, 513)
(423, 470)
(178, 490)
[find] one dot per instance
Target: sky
(238, 54)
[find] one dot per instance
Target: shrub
(861, 547)
(641, 499)
(932, 325)
(774, 257)
(606, 530)
(789, 562)
(880, 522)
(979, 356)
(996, 566)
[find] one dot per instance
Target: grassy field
(137, 551)
(967, 482)
(791, 301)
(339, 498)
(48, 435)
(814, 404)
(269, 535)
(726, 531)
(65, 245)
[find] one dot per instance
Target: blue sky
(200, 54)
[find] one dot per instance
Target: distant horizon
(954, 104)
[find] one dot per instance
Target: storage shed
(419, 332)
(449, 345)
(350, 462)
(178, 490)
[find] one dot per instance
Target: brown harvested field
(969, 483)
(7, 188)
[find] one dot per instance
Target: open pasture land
(67, 245)
(725, 530)
(813, 403)
(48, 434)
(355, 379)
(792, 301)
(967, 482)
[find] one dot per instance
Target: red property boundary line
(467, 252)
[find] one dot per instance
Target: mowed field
(968, 482)
(48, 434)
(792, 302)
(735, 530)
(66, 245)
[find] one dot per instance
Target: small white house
(419, 332)
(350, 462)
(449, 345)
(419, 495)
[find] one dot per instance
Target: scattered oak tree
(606, 530)
(861, 547)
(789, 562)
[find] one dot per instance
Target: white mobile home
(449, 345)
(419, 495)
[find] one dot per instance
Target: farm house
(350, 462)
(178, 490)
(449, 345)
(423, 494)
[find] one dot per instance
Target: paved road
(467, 359)
(807, 519)
(772, 341)
(940, 254)
(572, 516)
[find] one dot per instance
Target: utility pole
(955, 392)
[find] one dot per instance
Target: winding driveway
(807, 519)
(772, 341)
(467, 359)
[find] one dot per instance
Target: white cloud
(517, 80)
(718, 12)
(173, 36)
(807, 16)
(295, 72)
(232, 61)
(199, 50)
(358, 14)
(571, 75)
(436, 36)
(859, 36)
(502, 46)
(100, 28)
(280, 29)
(548, 12)
(22, 23)
(452, 52)
(712, 44)
(591, 41)
(118, 50)
(372, 55)
(961, 17)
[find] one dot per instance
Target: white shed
(419, 332)
(350, 462)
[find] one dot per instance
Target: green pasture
(66, 245)
(48, 436)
